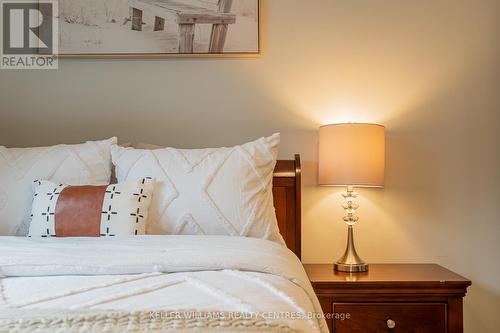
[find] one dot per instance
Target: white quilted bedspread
(156, 273)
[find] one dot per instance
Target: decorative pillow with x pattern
(217, 191)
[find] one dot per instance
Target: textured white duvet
(160, 273)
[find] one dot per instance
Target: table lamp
(351, 155)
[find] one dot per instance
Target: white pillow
(86, 163)
(123, 210)
(220, 191)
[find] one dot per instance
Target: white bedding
(156, 273)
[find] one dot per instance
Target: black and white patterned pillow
(60, 210)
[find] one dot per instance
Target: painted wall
(429, 70)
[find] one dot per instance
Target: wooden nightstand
(409, 298)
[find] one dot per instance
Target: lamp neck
(350, 206)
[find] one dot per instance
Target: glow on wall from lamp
(356, 93)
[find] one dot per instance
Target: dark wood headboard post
(298, 206)
(287, 201)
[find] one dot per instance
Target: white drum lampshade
(352, 155)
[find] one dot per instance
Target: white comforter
(156, 273)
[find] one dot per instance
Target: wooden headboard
(286, 191)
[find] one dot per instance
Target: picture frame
(191, 34)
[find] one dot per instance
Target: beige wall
(429, 70)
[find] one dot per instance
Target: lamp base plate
(351, 268)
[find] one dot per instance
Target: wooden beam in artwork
(206, 18)
(218, 38)
(225, 6)
(219, 30)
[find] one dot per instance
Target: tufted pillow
(218, 191)
(90, 211)
(86, 163)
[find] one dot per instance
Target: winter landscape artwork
(158, 27)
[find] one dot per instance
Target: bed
(163, 283)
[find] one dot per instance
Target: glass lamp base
(350, 268)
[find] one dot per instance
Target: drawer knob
(391, 323)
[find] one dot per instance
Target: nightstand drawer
(391, 317)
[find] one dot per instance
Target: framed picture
(159, 28)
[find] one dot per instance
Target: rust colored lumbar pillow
(90, 211)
